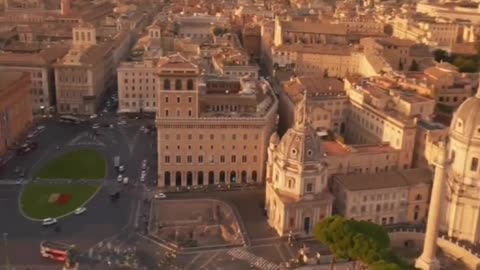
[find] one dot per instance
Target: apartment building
(15, 107)
(84, 73)
(39, 65)
(384, 198)
(379, 115)
(211, 131)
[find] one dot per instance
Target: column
(428, 260)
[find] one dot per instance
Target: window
(234, 159)
(200, 159)
(166, 84)
(178, 85)
(190, 84)
(167, 159)
(244, 159)
(222, 159)
(254, 158)
(418, 197)
(166, 112)
(166, 99)
(178, 159)
(178, 99)
(474, 164)
(291, 222)
(309, 187)
(189, 159)
(189, 112)
(189, 99)
(452, 156)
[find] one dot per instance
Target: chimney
(65, 7)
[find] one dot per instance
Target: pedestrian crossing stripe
(256, 261)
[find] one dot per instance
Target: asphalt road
(103, 218)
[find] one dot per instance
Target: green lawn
(35, 204)
(80, 164)
(37, 199)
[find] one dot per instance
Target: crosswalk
(86, 138)
(255, 261)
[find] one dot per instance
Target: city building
(211, 130)
(84, 73)
(291, 32)
(40, 66)
(327, 102)
(401, 54)
(297, 195)
(383, 198)
(427, 138)
(381, 114)
(15, 107)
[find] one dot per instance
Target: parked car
(115, 195)
(80, 210)
(119, 178)
(93, 116)
(40, 128)
(144, 164)
(142, 178)
(160, 196)
(121, 169)
(96, 126)
(49, 221)
(122, 122)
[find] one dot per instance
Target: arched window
(190, 84)
(418, 197)
(166, 84)
(167, 179)
(178, 84)
(254, 176)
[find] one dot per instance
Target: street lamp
(7, 261)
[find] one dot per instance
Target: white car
(144, 164)
(144, 173)
(93, 116)
(49, 221)
(80, 210)
(121, 168)
(122, 122)
(160, 196)
(30, 135)
(40, 128)
(96, 126)
(142, 178)
(119, 178)
(125, 180)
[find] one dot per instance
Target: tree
(469, 66)
(357, 240)
(440, 55)
(414, 66)
(218, 31)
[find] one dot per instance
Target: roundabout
(63, 184)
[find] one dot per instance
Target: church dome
(465, 126)
(301, 143)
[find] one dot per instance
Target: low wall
(472, 261)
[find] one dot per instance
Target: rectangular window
(178, 159)
(200, 159)
(309, 187)
(222, 159)
(254, 158)
(167, 159)
(234, 159)
(166, 99)
(189, 159)
(474, 165)
(166, 112)
(244, 159)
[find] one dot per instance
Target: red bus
(55, 250)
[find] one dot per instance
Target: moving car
(93, 116)
(49, 221)
(80, 210)
(121, 168)
(142, 178)
(119, 178)
(160, 196)
(144, 164)
(125, 180)
(115, 195)
(122, 122)
(96, 126)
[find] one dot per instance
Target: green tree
(468, 65)
(414, 66)
(440, 55)
(357, 240)
(218, 31)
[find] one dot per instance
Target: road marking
(209, 260)
(256, 261)
(192, 261)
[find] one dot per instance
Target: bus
(70, 119)
(55, 250)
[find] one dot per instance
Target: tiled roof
(313, 27)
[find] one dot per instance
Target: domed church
(462, 188)
(297, 196)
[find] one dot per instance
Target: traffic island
(63, 184)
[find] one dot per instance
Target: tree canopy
(468, 64)
(358, 240)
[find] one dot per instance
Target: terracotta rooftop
(313, 27)
(316, 86)
(316, 48)
(384, 180)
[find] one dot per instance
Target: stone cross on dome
(301, 117)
